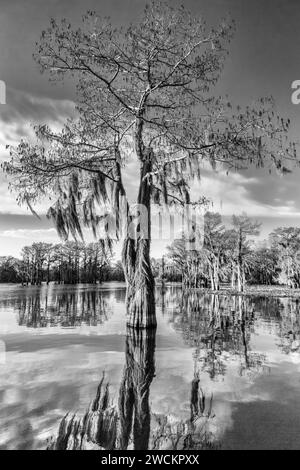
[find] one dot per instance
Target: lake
(221, 371)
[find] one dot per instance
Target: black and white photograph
(149, 228)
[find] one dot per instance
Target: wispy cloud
(23, 110)
(43, 234)
(236, 192)
(17, 118)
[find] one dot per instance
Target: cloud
(23, 111)
(12, 241)
(253, 191)
(8, 202)
(256, 195)
(42, 234)
(26, 221)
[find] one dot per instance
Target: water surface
(224, 368)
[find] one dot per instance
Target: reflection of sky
(50, 371)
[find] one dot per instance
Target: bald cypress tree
(144, 93)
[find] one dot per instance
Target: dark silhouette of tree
(11, 269)
(34, 259)
(264, 266)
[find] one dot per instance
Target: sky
(263, 60)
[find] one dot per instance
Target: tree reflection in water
(138, 374)
(194, 432)
(107, 426)
(128, 425)
(40, 309)
(289, 330)
(219, 329)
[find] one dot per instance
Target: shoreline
(266, 291)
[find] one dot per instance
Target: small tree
(265, 268)
(144, 93)
(214, 246)
(243, 228)
(188, 265)
(34, 258)
(286, 242)
(10, 269)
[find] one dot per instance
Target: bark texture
(140, 302)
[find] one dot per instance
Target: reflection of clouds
(268, 416)
(38, 389)
(253, 387)
(175, 373)
(50, 371)
(228, 391)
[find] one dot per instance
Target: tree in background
(214, 246)
(96, 257)
(264, 266)
(10, 269)
(189, 265)
(144, 93)
(266, 263)
(225, 253)
(67, 258)
(243, 227)
(66, 263)
(114, 272)
(285, 241)
(34, 259)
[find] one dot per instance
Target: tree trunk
(134, 409)
(243, 279)
(233, 277)
(140, 301)
(239, 278)
(216, 275)
(48, 273)
(212, 280)
(240, 264)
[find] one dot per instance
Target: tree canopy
(147, 88)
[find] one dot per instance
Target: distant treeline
(229, 255)
(222, 256)
(64, 263)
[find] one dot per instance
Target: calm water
(221, 370)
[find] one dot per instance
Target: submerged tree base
(141, 317)
(141, 306)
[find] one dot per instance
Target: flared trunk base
(141, 306)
